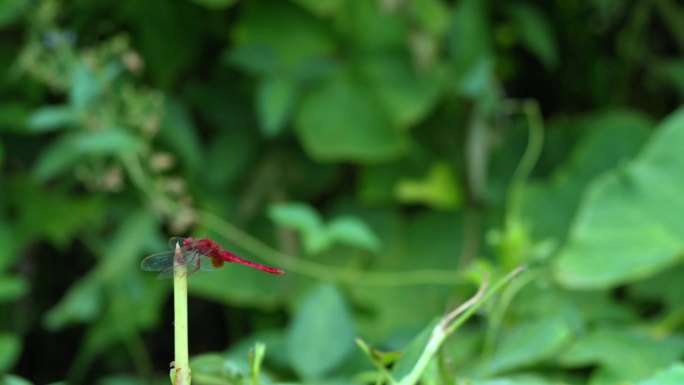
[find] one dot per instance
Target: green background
(386, 154)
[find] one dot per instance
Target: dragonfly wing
(165, 260)
(158, 262)
(166, 274)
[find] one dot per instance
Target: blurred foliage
(387, 154)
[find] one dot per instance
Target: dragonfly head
(188, 242)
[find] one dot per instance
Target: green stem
(180, 310)
(256, 358)
(453, 321)
(535, 141)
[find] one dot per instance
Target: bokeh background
(385, 153)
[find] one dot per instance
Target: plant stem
(453, 321)
(535, 142)
(180, 309)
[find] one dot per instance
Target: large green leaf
(550, 206)
(673, 375)
(404, 92)
(629, 226)
(623, 354)
(290, 32)
(341, 120)
(530, 343)
(322, 332)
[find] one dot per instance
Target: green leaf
(218, 368)
(530, 343)
(354, 232)
(342, 121)
(11, 10)
(12, 287)
(229, 156)
(10, 347)
(413, 351)
(306, 220)
(439, 189)
(468, 40)
(85, 87)
(275, 99)
(51, 118)
(87, 299)
(10, 379)
(72, 148)
(550, 206)
(628, 227)
(83, 303)
(188, 23)
(673, 375)
(299, 216)
(405, 93)
(433, 15)
(256, 59)
(370, 28)
(536, 33)
(321, 333)
(299, 35)
(215, 4)
(623, 354)
(53, 214)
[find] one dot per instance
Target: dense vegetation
(389, 155)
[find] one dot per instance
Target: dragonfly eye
(188, 242)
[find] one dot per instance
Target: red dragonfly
(203, 254)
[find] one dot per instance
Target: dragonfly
(198, 255)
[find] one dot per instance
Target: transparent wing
(195, 263)
(164, 260)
